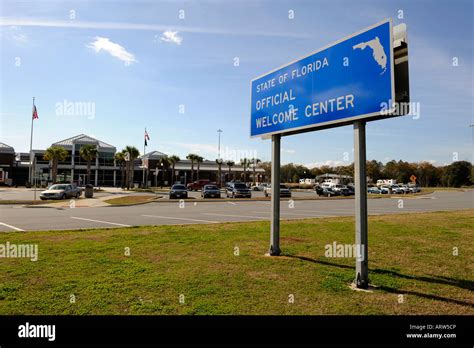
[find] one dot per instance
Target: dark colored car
(61, 191)
(326, 191)
(178, 191)
(345, 191)
(351, 189)
(211, 191)
(237, 189)
(198, 185)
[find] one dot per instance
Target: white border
(343, 120)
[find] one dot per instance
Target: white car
(405, 189)
(338, 188)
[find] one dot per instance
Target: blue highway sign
(348, 80)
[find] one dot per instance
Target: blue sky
(136, 62)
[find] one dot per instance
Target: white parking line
(239, 216)
(12, 227)
(305, 215)
(184, 219)
(320, 212)
(232, 203)
(312, 214)
(99, 221)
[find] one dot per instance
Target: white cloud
(137, 26)
(14, 33)
(290, 151)
(114, 49)
(171, 37)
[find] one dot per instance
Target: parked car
(405, 189)
(178, 191)
(396, 189)
(210, 191)
(61, 191)
(198, 185)
(337, 187)
(344, 191)
(284, 191)
(351, 189)
(326, 191)
(259, 187)
(78, 189)
(414, 188)
(384, 190)
(374, 190)
(237, 189)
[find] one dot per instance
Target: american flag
(146, 138)
(35, 113)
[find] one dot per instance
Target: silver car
(61, 191)
(396, 189)
(284, 191)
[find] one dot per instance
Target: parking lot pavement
(17, 218)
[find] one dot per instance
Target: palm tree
(133, 154)
(255, 161)
(219, 166)
(88, 153)
(55, 154)
(230, 164)
(245, 163)
(172, 161)
(120, 159)
(199, 160)
(192, 157)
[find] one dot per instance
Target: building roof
(4, 148)
(333, 176)
(85, 139)
(154, 155)
(212, 165)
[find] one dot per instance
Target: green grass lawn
(409, 254)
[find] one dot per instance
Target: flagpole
(143, 157)
(31, 144)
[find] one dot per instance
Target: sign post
(361, 235)
(360, 78)
(275, 197)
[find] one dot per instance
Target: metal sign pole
(362, 269)
(275, 197)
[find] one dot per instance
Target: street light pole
(219, 131)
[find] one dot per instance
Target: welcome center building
(105, 170)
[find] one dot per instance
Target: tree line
(456, 174)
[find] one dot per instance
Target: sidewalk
(83, 202)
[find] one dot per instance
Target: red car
(198, 185)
